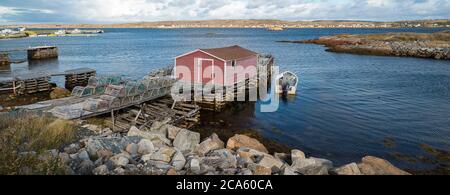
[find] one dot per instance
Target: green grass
(22, 132)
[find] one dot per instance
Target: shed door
(207, 66)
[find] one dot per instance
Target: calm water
(347, 105)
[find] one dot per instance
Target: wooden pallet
(182, 114)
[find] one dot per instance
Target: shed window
(233, 63)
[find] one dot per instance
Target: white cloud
(154, 10)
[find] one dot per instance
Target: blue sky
(119, 11)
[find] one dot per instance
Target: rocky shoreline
(422, 45)
(169, 150)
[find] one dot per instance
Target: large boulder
(270, 162)
(211, 143)
(172, 131)
(238, 141)
(119, 160)
(288, 170)
(312, 166)
(186, 141)
(194, 166)
(101, 170)
(86, 167)
(156, 137)
(114, 144)
(222, 159)
(178, 160)
(72, 148)
(132, 149)
(371, 165)
(145, 146)
(349, 169)
(251, 153)
(297, 155)
(163, 154)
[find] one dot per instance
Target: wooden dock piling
(219, 101)
(42, 52)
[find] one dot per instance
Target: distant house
(216, 65)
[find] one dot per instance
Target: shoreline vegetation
(56, 147)
(422, 45)
(438, 23)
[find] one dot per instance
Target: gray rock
(211, 143)
(163, 154)
(158, 164)
(312, 166)
(113, 144)
(222, 159)
(285, 158)
(245, 171)
(64, 158)
(371, 165)
(186, 141)
(172, 131)
(228, 171)
(131, 169)
(288, 170)
(72, 148)
(145, 146)
(83, 155)
(243, 162)
(178, 161)
(101, 170)
(349, 169)
(238, 141)
(270, 162)
(99, 162)
(119, 171)
(297, 155)
(132, 149)
(119, 160)
(86, 167)
(252, 153)
(194, 166)
(156, 138)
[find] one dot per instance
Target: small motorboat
(286, 83)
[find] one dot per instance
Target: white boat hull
(286, 82)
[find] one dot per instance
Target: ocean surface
(347, 106)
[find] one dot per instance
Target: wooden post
(173, 105)
(113, 120)
(14, 87)
(138, 114)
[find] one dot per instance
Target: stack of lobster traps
(111, 93)
(78, 77)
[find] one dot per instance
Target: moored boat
(286, 83)
(275, 28)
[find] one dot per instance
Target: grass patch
(25, 138)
